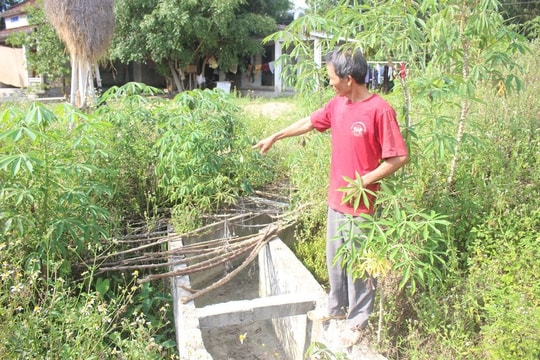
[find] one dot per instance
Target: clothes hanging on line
(381, 75)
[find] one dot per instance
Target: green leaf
(30, 134)
(405, 278)
(103, 285)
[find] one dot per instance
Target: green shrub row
(72, 182)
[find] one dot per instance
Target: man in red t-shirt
(366, 139)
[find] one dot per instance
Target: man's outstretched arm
(300, 127)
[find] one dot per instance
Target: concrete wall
(188, 334)
(282, 273)
(287, 290)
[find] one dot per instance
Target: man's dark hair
(348, 63)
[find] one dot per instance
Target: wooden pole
(74, 80)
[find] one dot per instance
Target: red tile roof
(18, 9)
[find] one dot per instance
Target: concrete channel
(261, 312)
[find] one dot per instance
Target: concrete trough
(261, 313)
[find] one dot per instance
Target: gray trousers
(353, 298)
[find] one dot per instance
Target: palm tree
(87, 28)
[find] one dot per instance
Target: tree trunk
(98, 76)
(83, 83)
(177, 79)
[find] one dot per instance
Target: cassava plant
(469, 41)
(204, 158)
(398, 238)
(133, 111)
(450, 48)
(51, 185)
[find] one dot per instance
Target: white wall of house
(16, 21)
(13, 67)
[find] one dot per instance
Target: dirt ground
(250, 341)
(271, 110)
(257, 340)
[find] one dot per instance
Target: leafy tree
(321, 6)
(277, 9)
(174, 33)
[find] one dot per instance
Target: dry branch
(171, 237)
(203, 249)
(199, 256)
(203, 265)
(270, 230)
(268, 234)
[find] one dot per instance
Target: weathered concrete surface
(282, 273)
(188, 335)
(246, 311)
(329, 336)
(21, 95)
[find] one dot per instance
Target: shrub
(46, 320)
(204, 159)
(504, 271)
(51, 190)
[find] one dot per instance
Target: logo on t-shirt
(358, 128)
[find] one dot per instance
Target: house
(13, 66)
(13, 70)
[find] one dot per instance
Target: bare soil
(248, 341)
(270, 110)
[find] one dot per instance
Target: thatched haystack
(87, 28)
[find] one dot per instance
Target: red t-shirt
(363, 134)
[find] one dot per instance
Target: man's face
(342, 86)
